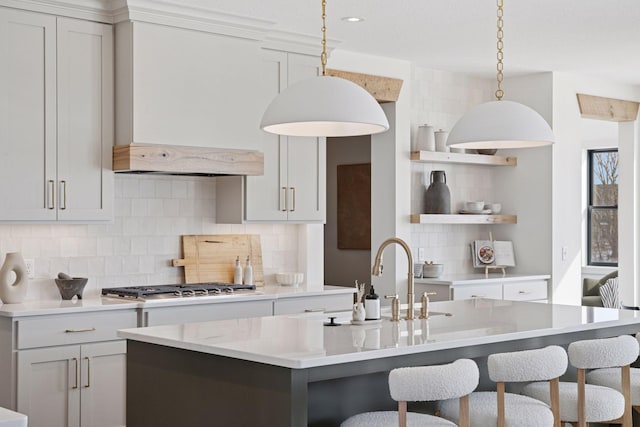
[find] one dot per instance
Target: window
(602, 216)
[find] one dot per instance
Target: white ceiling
(594, 37)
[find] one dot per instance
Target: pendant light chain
(323, 56)
(500, 45)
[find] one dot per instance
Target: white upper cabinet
(293, 187)
(56, 120)
(85, 120)
(178, 86)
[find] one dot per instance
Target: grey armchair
(591, 289)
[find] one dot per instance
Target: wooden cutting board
(212, 257)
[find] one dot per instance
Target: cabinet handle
(88, 384)
(293, 196)
(52, 194)
(72, 331)
(478, 296)
(63, 205)
(76, 362)
(314, 310)
(524, 292)
(284, 191)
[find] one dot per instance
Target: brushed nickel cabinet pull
(72, 331)
(88, 384)
(76, 362)
(478, 296)
(314, 310)
(293, 196)
(63, 205)
(52, 194)
(284, 191)
(524, 292)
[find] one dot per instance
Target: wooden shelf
(467, 159)
(463, 219)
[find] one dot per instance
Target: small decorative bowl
(289, 279)
(432, 270)
(474, 206)
(71, 287)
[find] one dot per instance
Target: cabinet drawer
(206, 312)
(45, 331)
(338, 302)
(524, 291)
(493, 291)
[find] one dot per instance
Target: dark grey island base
(168, 386)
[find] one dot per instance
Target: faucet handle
(395, 307)
(424, 308)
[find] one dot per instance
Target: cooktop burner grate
(175, 291)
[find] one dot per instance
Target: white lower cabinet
(493, 291)
(519, 288)
(205, 312)
(336, 302)
(76, 385)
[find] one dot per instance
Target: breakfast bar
(294, 370)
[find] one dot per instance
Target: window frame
(590, 206)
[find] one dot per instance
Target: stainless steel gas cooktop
(176, 291)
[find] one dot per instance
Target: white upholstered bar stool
(582, 403)
(615, 378)
(423, 384)
(488, 408)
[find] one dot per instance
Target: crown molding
(296, 42)
(91, 10)
(175, 14)
(195, 18)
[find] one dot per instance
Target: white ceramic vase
(358, 313)
(16, 291)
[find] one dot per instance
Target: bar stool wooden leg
(465, 420)
(627, 420)
(500, 399)
(402, 414)
(581, 398)
(554, 394)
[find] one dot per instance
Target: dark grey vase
(437, 198)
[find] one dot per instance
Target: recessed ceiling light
(352, 19)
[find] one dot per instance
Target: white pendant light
(500, 124)
(324, 106)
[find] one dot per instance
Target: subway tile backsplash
(151, 213)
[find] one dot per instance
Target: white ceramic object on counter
(289, 279)
(12, 419)
(13, 288)
(432, 270)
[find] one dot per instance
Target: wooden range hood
(181, 160)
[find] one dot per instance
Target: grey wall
(342, 266)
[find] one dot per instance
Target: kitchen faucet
(377, 270)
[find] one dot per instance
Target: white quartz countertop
(12, 419)
(59, 306)
(303, 341)
(479, 278)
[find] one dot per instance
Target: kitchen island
(294, 370)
